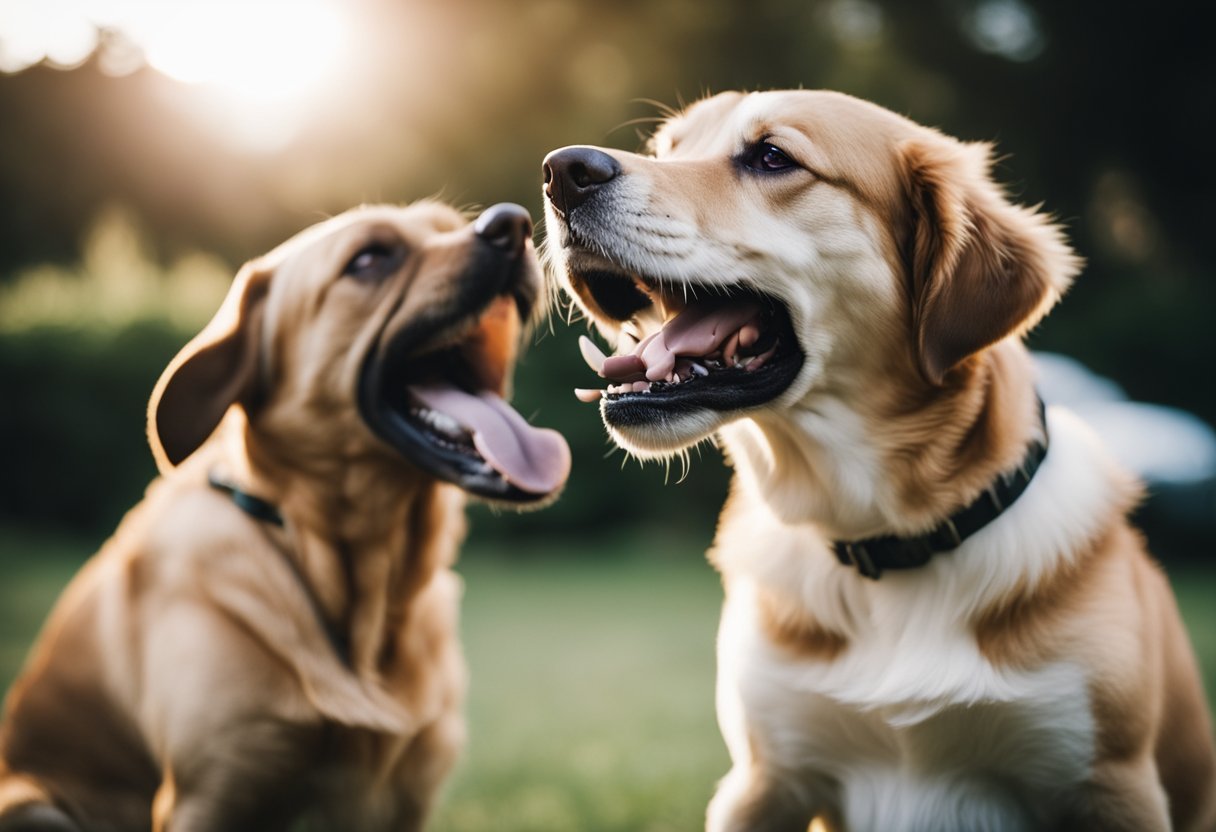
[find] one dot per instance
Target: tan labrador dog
(937, 616)
(272, 633)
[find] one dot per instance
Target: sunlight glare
(52, 31)
(263, 52)
(258, 67)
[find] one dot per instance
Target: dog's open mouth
(714, 349)
(441, 406)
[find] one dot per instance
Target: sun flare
(258, 67)
(271, 53)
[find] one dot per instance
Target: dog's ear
(981, 268)
(218, 368)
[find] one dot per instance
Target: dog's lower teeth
(440, 423)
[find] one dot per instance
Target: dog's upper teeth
(592, 354)
(731, 349)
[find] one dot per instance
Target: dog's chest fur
(907, 725)
(905, 731)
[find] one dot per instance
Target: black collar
(260, 509)
(246, 502)
(874, 554)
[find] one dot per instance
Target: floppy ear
(218, 368)
(981, 268)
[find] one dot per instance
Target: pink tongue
(697, 331)
(536, 460)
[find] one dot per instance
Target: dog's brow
(379, 231)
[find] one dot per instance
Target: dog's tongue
(698, 330)
(536, 460)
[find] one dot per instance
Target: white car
(1172, 451)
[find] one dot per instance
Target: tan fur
(915, 394)
(185, 680)
(797, 631)
(788, 624)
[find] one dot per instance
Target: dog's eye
(374, 261)
(766, 157)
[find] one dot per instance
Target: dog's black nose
(574, 173)
(505, 225)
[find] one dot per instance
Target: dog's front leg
(424, 766)
(1123, 796)
(751, 799)
(250, 779)
(236, 737)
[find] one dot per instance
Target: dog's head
(385, 333)
(775, 246)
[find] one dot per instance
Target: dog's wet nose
(572, 174)
(505, 225)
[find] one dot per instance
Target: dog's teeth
(441, 423)
(592, 354)
(759, 361)
(731, 348)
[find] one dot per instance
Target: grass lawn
(591, 705)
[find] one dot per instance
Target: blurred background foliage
(130, 194)
(148, 147)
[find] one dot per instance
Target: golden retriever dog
(937, 616)
(272, 633)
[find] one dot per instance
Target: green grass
(591, 704)
(1195, 588)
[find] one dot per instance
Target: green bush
(72, 422)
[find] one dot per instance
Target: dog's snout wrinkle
(573, 174)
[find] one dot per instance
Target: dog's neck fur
(884, 469)
(366, 534)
